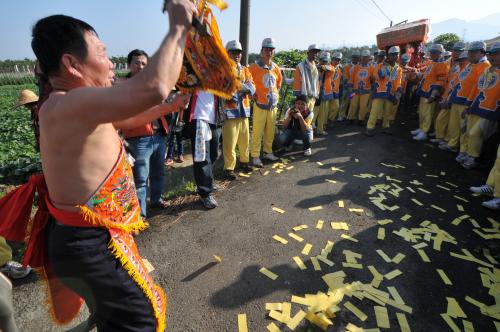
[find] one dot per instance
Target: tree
(447, 39)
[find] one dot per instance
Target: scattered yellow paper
(242, 323)
(382, 317)
(279, 171)
(278, 210)
(296, 320)
(424, 191)
(320, 224)
(341, 204)
(315, 208)
(438, 208)
(335, 169)
(460, 208)
(406, 217)
(357, 211)
(444, 188)
(295, 237)
(325, 260)
(451, 323)
(357, 312)
(340, 226)
(395, 294)
(352, 265)
(280, 239)
(403, 322)
(384, 256)
(289, 168)
(272, 328)
(299, 263)
(243, 175)
(320, 163)
(307, 249)
(348, 237)
(274, 306)
(266, 173)
(454, 309)
(393, 274)
(461, 198)
(468, 327)
(424, 256)
(398, 258)
(330, 181)
(443, 276)
(417, 202)
(315, 264)
(381, 233)
(268, 273)
(217, 259)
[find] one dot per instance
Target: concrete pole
(244, 29)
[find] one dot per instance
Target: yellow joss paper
(341, 204)
(268, 273)
(381, 233)
(403, 322)
(280, 239)
(242, 323)
(443, 276)
(295, 237)
(307, 249)
(382, 317)
(278, 210)
(217, 259)
(356, 311)
(273, 328)
(348, 237)
(315, 208)
(320, 224)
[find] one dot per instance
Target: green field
(18, 155)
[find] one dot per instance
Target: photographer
(297, 125)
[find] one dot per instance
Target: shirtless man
(90, 193)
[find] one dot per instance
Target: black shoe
(361, 123)
(387, 131)
(245, 167)
(230, 175)
(209, 202)
(369, 132)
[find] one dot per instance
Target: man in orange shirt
(267, 78)
(336, 80)
(346, 75)
(360, 82)
(431, 87)
(326, 72)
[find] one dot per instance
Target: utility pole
(244, 28)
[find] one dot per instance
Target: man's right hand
(180, 13)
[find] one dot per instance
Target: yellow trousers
(425, 114)
(264, 125)
(380, 106)
(455, 124)
(310, 103)
(441, 126)
(235, 132)
(494, 177)
(321, 115)
(359, 102)
(394, 111)
(344, 104)
(5, 252)
(334, 109)
(478, 130)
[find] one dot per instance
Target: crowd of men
(458, 105)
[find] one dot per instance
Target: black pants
(203, 171)
(81, 259)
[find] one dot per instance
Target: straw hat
(26, 97)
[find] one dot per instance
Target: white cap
(437, 48)
(477, 46)
(463, 55)
(313, 47)
(268, 43)
(393, 50)
(356, 53)
(337, 55)
(447, 53)
(365, 53)
(234, 45)
(325, 56)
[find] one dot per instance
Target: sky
(124, 25)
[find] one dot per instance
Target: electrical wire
(369, 10)
(381, 10)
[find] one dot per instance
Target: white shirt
(205, 108)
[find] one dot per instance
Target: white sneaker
(307, 152)
(270, 156)
(470, 163)
(483, 190)
(420, 137)
(493, 204)
(15, 270)
(461, 157)
(257, 162)
(416, 132)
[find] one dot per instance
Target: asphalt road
(204, 296)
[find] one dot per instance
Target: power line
(369, 10)
(381, 10)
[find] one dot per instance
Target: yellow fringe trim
(90, 217)
(129, 267)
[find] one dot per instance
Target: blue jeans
(288, 135)
(171, 145)
(149, 155)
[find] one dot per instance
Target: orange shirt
(486, 95)
(326, 73)
(337, 75)
(467, 81)
(387, 81)
(361, 78)
(267, 81)
(239, 105)
(434, 77)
